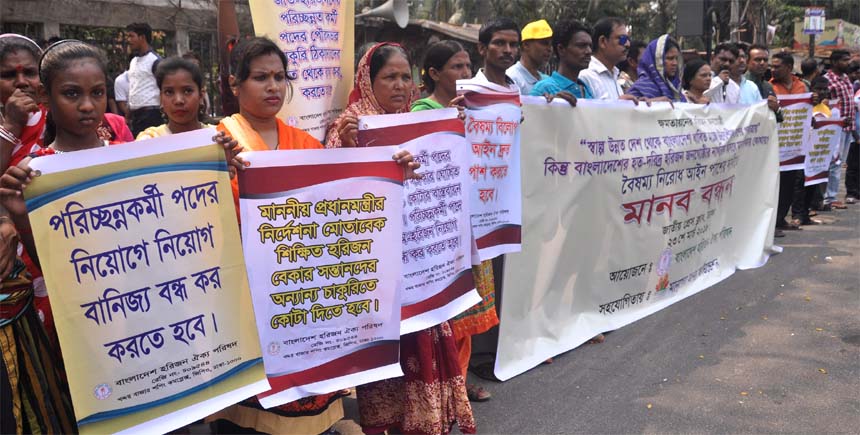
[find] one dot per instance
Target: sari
(309, 415)
(431, 396)
(652, 81)
(34, 395)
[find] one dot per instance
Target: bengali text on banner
(492, 124)
(322, 230)
(317, 39)
(794, 129)
(437, 233)
(142, 260)
(628, 210)
(821, 148)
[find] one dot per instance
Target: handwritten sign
(820, 149)
(141, 256)
(797, 113)
(323, 230)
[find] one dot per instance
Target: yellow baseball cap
(536, 30)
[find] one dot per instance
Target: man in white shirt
(610, 43)
(143, 95)
(120, 92)
(748, 90)
(498, 45)
(723, 89)
(536, 49)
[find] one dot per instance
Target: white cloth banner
(322, 230)
(437, 235)
(794, 128)
(493, 131)
(628, 210)
(823, 144)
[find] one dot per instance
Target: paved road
(775, 349)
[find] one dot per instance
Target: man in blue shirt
(571, 41)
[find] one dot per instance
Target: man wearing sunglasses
(610, 43)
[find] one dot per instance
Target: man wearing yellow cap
(536, 49)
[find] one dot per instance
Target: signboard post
(813, 24)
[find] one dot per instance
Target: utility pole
(734, 22)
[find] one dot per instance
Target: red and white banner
(321, 230)
(437, 234)
(794, 129)
(822, 146)
(493, 117)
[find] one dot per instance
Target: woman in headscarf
(431, 396)
(659, 71)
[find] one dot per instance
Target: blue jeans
(836, 169)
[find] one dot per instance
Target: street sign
(813, 21)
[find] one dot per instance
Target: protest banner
(323, 230)
(317, 38)
(628, 210)
(493, 117)
(823, 144)
(142, 260)
(437, 234)
(794, 129)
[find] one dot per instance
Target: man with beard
(609, 43)
(498, 44)
(571, 42)
(841, 89)
(536, 51)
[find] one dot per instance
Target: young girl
(181, 86)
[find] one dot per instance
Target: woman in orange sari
(431, 396)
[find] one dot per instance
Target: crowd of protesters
(54, 101)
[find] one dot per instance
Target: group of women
(661, 73)
(54, 102)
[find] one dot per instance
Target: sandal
(477, 393)
(599, 338)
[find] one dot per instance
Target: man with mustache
(723, 89)
(536, 51)
(609, 42)
(499, 45)
(571, 42)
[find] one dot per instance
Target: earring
(163, 115)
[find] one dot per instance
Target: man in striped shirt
(842, 90)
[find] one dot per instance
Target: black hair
(785, 58)
(249, 49)
(759, 47)
(485, 35)
(808, 66)
(563, 33)
(142, 29)
(380, 58)
(13, 43)
(604, 27)
(853, 67)
(820, 80)
(835, 55)
(190, 55)
(437, 56)
(671, 43)
(727, 46)
(173, 64)
(690, 69)
(57, 57)
(636, 47)
(745, 46)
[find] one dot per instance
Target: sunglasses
(623, 40)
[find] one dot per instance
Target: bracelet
(9, 136)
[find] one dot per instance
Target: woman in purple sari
(659, 71)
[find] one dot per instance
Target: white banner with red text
(321, 230)
(821, 148)
(794, 129)
(437, 236)
(493, 116)
(627, 210)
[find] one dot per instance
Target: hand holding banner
(323, 228)
(143, 265)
